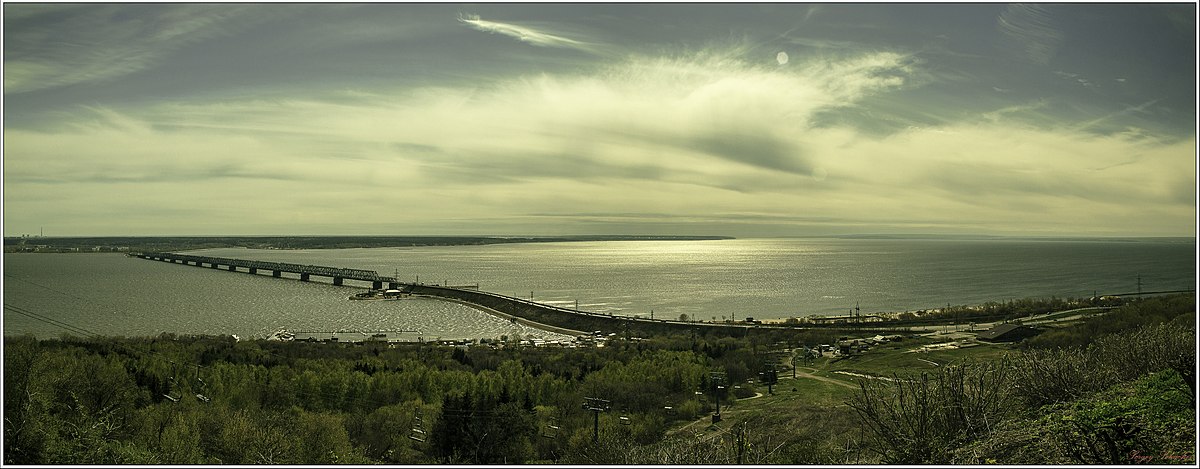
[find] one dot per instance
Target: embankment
(534, 324)
(544, 315)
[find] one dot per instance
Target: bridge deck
(325, 271)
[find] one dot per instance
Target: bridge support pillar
(213, 265)
(376, 284)
(275, 273)
(232, 268)
(303, 277)
(253, 270)
(337, 280)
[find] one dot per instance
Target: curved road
(1027, 320)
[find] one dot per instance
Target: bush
(744, 391)
(922, 419)
(1151, 420)
(1058, 375)
(689, 410)
(1138, 313)
(1163, 346)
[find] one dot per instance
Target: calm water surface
(111, 294)
(763, 278)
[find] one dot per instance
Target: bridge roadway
(338, 274)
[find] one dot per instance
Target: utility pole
(596, 405)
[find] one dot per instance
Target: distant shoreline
(188, 243)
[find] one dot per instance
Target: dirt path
(804, 374)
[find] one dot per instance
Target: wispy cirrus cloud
(1032, 30)
(529, 35)
(83, 44)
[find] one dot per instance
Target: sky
(745, 120)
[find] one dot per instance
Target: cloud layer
(723, 138)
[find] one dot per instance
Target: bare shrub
(1158, 347)
(1047, 376)
(747, 442)
(1058, 375)
(922, 419)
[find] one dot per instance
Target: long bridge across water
(536, 314)
(277, 269)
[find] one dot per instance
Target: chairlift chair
(173, 385)
(199, 396)
(418, 430)
(551, 430)
(624, 418)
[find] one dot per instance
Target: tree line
(201, 399)
(1096, 393)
